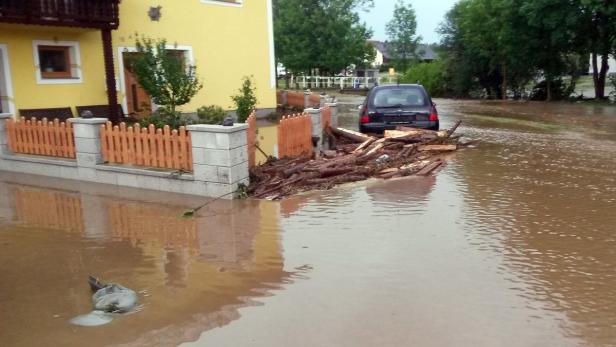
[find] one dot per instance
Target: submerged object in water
(108, 298)
(92, 319)
(112, 297)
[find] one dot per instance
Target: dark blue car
(388, 106)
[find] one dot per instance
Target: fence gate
(295, 135)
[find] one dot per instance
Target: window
(235, 3)
(57, 62)
(54, 61)
(399, 97)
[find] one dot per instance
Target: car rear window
(399, 97)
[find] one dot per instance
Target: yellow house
(70, 53)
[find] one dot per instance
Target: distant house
(383, 56)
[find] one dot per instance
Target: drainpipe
(112, 95)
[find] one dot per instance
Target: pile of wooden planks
(356, 157)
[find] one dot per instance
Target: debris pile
(354, 157)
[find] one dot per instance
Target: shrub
(245, 101)
(163, 116)
(559, 89)
(167, 78)
(430, 75)
(211, 114)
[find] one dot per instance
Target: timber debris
(354, 157)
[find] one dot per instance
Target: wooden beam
(350, 134)
(112, 95)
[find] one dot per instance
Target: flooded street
(512, 243)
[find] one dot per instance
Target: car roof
(393, 86)
(397, 86)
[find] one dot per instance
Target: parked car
(388, 106)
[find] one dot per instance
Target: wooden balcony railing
(97, 14)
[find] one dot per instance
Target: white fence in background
(305, 82)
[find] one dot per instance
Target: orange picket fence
(295, 135)
(252, 139)
(326, 116)
(148, 146)
(41, 137)
(295, 99)
(314, 100)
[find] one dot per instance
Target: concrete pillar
(323, 100)
(317, 127)
(285, 98)
(307, 99)
(4, 136)
(88, 141)
(333, 106)
(220, 157)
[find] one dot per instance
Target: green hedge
(430, 75)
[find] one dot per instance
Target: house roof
(424, 51)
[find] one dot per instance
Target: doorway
(138, 102)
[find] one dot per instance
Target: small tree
(166, 77)
(245, 101)
(401, 31)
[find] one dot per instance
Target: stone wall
(220, 161)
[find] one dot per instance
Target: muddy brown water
(512, 243)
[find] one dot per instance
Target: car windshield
(403, 97)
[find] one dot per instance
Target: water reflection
(192, 274)
(547, 215)
(544, 200)
(511, 244)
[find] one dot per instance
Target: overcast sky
(430, 14)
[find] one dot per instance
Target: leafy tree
(550, 27)
(430, 75)
(166, 77)
(401, 31)
(600, 34)
(245, 100)
(499, 46)
(321, 36)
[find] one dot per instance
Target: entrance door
(138, 102)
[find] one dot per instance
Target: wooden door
(138, 102)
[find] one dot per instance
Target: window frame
(237, 3)
(74, 75)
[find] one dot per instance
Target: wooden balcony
(95, 14)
